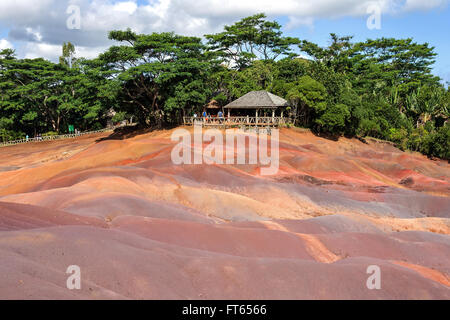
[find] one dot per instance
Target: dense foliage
(381, 88)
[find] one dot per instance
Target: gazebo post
(256, 116)
(273, 115)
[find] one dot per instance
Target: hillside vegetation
(381, 88)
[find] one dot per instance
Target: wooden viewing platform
(236, 121)
(262, 103)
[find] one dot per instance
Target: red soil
(142, 228)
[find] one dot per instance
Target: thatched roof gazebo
(257, 100)
(253, 101)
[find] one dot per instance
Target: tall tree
(68, 55)
(151, 69)
(335, 56)
(387, 62)
(249, 39)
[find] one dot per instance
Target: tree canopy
(249, 39)
(382, 88)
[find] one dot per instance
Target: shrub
(119, 116)
(416, 140)
(10, 135)
(399, 137)
(369, 128)
(438, 143)
(334, 119)
(50, 134)
(97, 126)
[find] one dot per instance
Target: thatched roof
(213, 104)
(257, 100)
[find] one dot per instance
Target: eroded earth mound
(140, 227)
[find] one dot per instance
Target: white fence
(57, 137)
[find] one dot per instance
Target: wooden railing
(236, 121)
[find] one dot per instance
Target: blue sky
(37, 28)
(430, 26)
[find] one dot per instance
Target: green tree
(68, 55)
(309, 99)
(153, 72)
(249, 39)
(334, 119)
(38, 96)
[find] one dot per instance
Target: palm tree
(427, 103)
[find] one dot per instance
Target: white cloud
(424, 4)
(35, 34)
(37, 50)
(41, 24)
(52, 52)
(30, 10)
(5, 44)
(129, 7)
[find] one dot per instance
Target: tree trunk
(58, 121)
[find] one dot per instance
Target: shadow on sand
(132, 131)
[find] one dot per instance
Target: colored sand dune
(141, 227)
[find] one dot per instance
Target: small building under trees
(257, 103)
(212, 107)
(256, 108)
